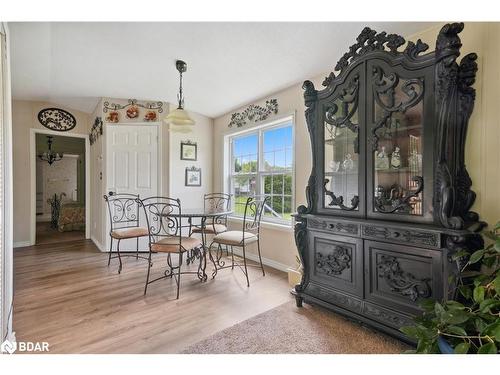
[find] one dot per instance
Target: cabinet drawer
(399, 276)
(335, 226)
(337, 261)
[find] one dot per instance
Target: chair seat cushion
(235, 237)
(211, 229)
(131, 232)
(171, 244)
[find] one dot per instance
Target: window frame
(259, 130)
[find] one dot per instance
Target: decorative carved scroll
(300, 233)
(339, 201)
(56, 119)
(400, 204)
(400, 281)
(341, 117)
(254, 113)
(369, 40)
(385, 87)
(335, 262)
(455, 101)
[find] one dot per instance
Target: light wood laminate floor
(66, 294)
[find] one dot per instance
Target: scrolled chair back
(217, 202)
(123, 210)
(254, 208)
(162, 217)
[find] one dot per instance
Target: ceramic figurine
(396, 158)
(348, 163)
(381, 159)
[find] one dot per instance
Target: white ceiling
(229, 64)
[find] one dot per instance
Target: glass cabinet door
(342, 161)
(396, 108)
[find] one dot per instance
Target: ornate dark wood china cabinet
(389, 196)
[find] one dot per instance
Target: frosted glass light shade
(179, 121)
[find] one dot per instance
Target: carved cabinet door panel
(398, 277)
(340, 157)
(400, 121)
(337, 262)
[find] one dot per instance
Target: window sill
(266, 224)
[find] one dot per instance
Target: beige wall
(24, 118)
(483, 142)
(191, 197)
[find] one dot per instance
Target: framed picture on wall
(189, 150)
(193, 176)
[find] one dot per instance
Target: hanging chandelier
(179, 119)
(50, 156)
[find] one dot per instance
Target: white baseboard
(22, 244)
(97, 244)
(266, 261)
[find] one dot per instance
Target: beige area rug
(288, 329)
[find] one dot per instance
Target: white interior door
(132, 167)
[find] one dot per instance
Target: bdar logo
(8, 347)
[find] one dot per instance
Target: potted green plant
(471, 323)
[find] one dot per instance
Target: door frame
(33, 133)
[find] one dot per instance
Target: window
(262, 164)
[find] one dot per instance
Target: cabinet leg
(298, 301)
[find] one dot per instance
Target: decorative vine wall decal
(254, 113)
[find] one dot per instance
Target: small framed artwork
(189, 151)
(193, 176)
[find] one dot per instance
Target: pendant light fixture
(50, 156)
(179, 119)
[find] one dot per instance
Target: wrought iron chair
(124, 223)
(163, 218)
(249, 234)
(217, 202)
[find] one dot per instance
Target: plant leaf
(476, 256)
(492, 330)
(454, 305)
(427, 304)
(489, 348)
(456, 330)
(487, 304)
(410, 331)
(462, 348)
(478, 294)
(456, 316)
(465, 291)
(496, 284)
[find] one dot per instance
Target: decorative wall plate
(150, 116)
(113, 116)
(56, 119)
(132, 112)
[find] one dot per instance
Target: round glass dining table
(206, 216)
